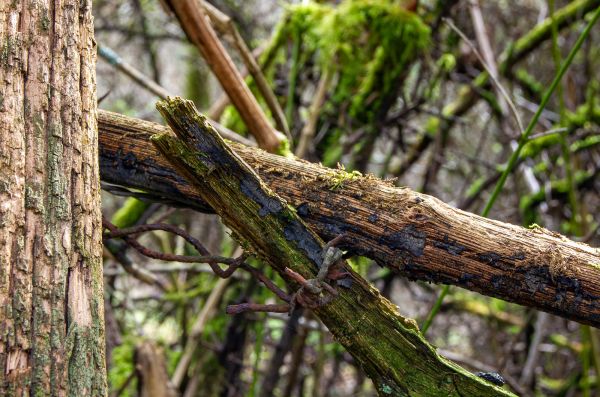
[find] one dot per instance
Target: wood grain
(415, 235)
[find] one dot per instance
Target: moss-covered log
(389, 348)
(416, 235)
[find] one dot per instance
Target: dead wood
(416, 235)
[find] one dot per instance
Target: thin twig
(257, 307)
(491, 73)
(212, 260)
(145, 82)
(308, 132)
(225, 24)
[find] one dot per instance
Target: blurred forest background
(397, 89)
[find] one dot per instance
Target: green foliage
(573, 120)
(369, 43)
(129, 213)
(535, 146)
(585, 143)
(529, 82)
(196, 81)
(558, 187)
(123, 366)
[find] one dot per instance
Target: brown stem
(212, 260)
(193, 20)
(257, 307)
(225, 24)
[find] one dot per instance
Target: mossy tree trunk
(51, 307)
(388, 347)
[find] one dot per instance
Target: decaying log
(389, 348)
(416, 235)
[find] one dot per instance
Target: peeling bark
(51, 308)
(388, 347)
(413, 234)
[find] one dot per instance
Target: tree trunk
(51, 307)
(414, 234)
(151, 369)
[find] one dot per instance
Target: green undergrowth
(368, 45)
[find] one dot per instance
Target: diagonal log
(389, 348)
(413, 234)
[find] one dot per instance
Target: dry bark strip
(416, 235)
(389, 348)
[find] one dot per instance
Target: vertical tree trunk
(51, 312)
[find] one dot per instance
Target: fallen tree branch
(413, 234)
(389, 348)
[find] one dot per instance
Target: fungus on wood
(388, 347)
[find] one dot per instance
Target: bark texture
(388, 347)
(51, 308)
(416, 235)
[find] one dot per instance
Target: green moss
(446, 63)
(529, 82)
(368, 43)
(583, 115)
(284, 149)
(339, 177)
(432, 126)
(573, 120)
(536, 145)
(558, 187)
(585, 143)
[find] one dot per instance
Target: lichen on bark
(51, 306)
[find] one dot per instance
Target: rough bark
(416, 235)
(51, 306)
(388, 347)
